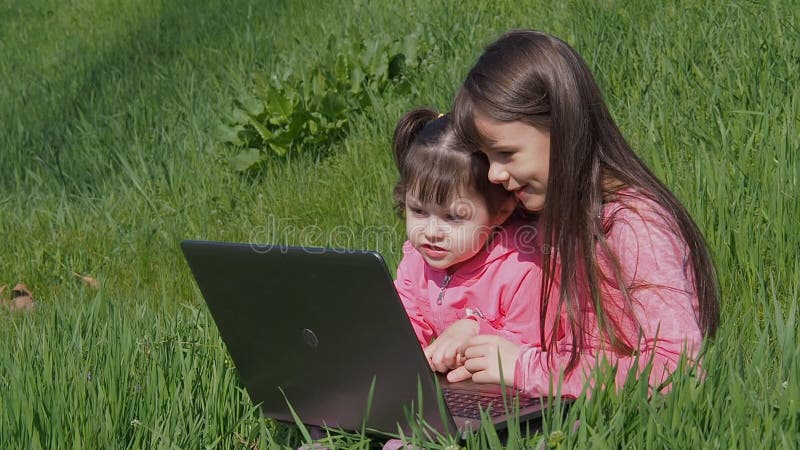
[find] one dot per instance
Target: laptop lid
(325, 328)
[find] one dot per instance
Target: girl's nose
(433, 229)
(497, 173)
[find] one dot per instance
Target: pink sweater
(655, 263)
(500, 285)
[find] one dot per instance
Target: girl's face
(447, 236)
(519, 159)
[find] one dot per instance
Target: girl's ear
(505, 211)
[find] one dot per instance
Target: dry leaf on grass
(21, 299)
(92, 282)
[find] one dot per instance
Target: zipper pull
(444, 286)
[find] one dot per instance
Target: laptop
(322, 332)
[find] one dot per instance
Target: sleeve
(520, 321)
(654, 264)
(410, 272)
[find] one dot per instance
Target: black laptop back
(324, 327)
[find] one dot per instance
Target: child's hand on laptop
(446, 352)
(485, 358)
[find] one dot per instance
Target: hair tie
(440, 116)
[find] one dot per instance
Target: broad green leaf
(246, 159)
(239, 115)
(403, 87)
(313, 127)
(279, 104)
(410, 48)
(368, 57)
(356, 80)
(332, 41)
(297, 124)
(381, 67)
(332, 105)
(261, 83)
(261, 128)
(318, 84)
(278, 149)
(229, 134)
(340, 70)
(251, 105)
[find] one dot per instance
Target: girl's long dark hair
(535, 78)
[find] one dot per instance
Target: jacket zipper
(444, 286)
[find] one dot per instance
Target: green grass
(108, 159)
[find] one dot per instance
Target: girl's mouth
(434, 251)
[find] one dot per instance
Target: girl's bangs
(439, 183)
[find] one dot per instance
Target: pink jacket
(655, 262)
(500, 286)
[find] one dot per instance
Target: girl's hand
(446, 352)
(484, 356)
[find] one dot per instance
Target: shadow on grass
(133, 95)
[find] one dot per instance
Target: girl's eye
(417, 211)
(454, 218)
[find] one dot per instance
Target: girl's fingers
(440, 358)
(485, 376)
(484, 339)
(460, 358)
(477, 351)
(482, 369)
(434, 353)
(453, 357)
(436, 360)
(442, 361)
(476, 364)
(475, 368)
(482, 359)
(459, 374)
(446, 356)
(482, 363)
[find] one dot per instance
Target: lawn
(115, 119)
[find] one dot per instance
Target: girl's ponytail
(407, 130)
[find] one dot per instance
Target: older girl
(627, 276)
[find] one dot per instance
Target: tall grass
(108, 160)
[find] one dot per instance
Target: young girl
(627, 277)
(462, 274)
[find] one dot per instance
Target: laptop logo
(310, 338)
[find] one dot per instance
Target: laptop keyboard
(469, 404)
